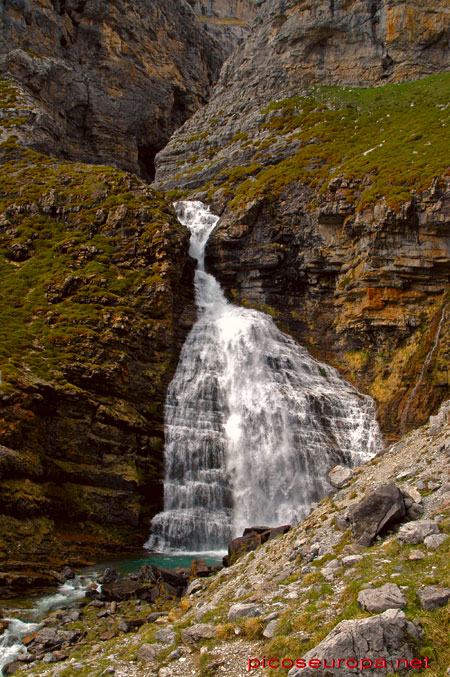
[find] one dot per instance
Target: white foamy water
(22, 622)
(253, 422)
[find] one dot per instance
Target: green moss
(396, 135)
(66, 231)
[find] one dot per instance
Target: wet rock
(108, 576)
(241, 545)
(416, 532)
(195, 633)
(379, 511)
(388, 596)
(340, 476)
(387, 636)
(243, 611)
(433, 597)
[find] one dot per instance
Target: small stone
(195, 633)
(49, 658)
(151, 618)
(416, 555)
(165, 635)
(433, 598)
(269, 630)
(435, 541)
(109, 671)
(351, 560)
(243, 610)
(194, 586)
(413, 493)
(271, 617)
(420, 485)
(174, 655)
(433, 486)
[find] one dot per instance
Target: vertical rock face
(110, 80)
(227, 20)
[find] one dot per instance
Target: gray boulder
(376, 513)
(340, 476)
(416, 532)
(387, 637)
(433, 598)
(243, 610)
(389, 596)
(165, 635)
(435, 541)
(149, 652)
(197, 632)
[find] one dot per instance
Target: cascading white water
(253, 421)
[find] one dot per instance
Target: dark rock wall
(110, 80)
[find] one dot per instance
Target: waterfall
(253, 421)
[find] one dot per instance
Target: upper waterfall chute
(253, 421)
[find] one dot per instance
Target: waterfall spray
(253, 421)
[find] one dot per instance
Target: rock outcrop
(94, 311)
(109, 81)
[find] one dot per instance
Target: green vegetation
(394, 137)
(66, 232)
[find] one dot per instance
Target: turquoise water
(134, 561)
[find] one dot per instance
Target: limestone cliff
(330, 171)
(110, 81)
(228, 21)
(96, 300)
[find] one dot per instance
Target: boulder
(166, 636)
(386, 637)
(149, 652)
(435, 541)
(416, 532)
(340, 476)
(195, 633)
(379, 511)
(389, 596)
(108, 576)
(432, 597)
(194, 586)
(239, 546)
(243, 610)
(121, 590)
(351, 560)
(199, 568)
